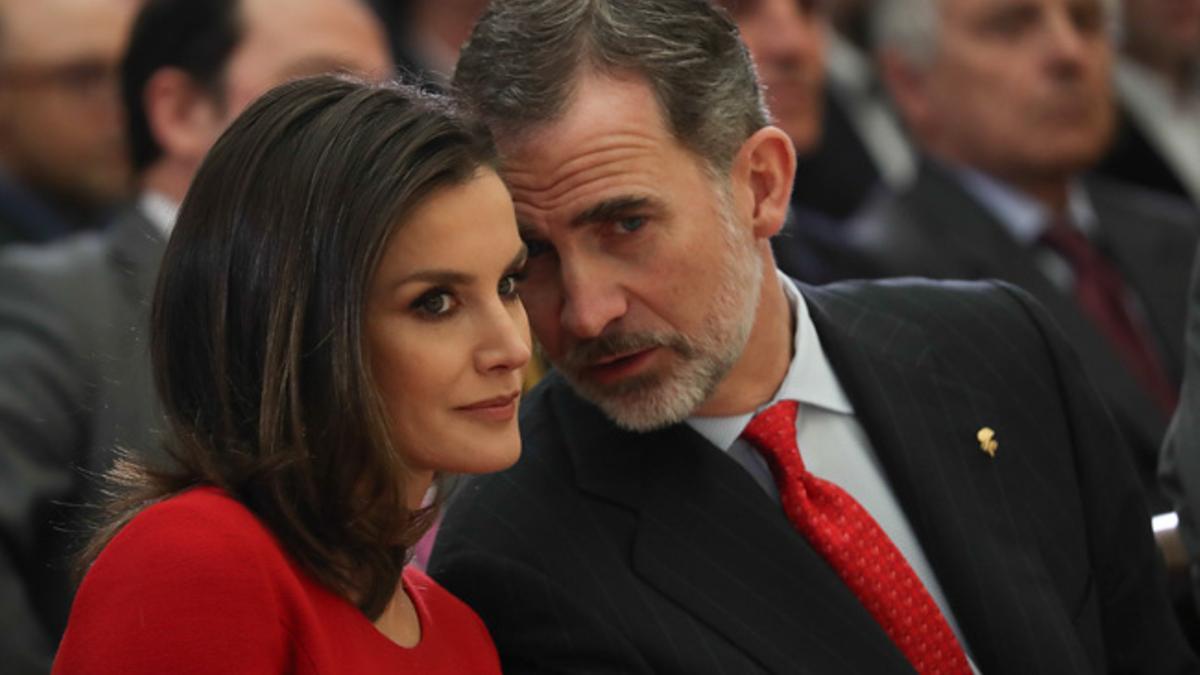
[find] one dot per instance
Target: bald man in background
(63, 163)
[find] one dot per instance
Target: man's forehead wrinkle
(547, 191)
(531, 204)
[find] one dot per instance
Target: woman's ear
(762, 172)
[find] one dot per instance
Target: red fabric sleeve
(180, 590)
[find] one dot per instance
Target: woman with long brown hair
(336, 324)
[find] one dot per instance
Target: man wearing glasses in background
(63, 162)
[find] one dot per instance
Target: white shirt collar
(809, 379)
(1023, 216)
(159, 209)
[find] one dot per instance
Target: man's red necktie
(854, 545)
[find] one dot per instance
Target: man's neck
(168, 179)
(1054, 195)
(764, 362)
(1051, 189)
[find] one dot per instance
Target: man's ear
(182, 115)
(762, 173)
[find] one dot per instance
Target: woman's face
(447, 335)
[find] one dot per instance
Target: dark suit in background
(76, 383)
(609, 551)
(1133, 159)
(937, 229)
(1180, 467)
(26, 218)
(835, 177)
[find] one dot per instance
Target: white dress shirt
(160, 210)
(832, 444)
(1026, 219)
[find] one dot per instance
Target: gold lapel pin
(987, 441)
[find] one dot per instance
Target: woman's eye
(434, 303)
(631, 224)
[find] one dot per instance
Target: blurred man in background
(427, 34)
(787, 40)
(1010, 102)
(862, 151)
(75, 381)
(63, 161)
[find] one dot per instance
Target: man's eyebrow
(611, 209)
(527, 231)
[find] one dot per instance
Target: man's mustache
(588, 352)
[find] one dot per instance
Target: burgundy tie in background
(1100, 292)
(854, 545)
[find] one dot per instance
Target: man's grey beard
(655, 400)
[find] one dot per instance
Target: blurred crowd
(1053, 145)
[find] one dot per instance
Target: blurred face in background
(1019, 89)
(61, 125)
(1164, 34)
(447, 333)
(786, 38)
(287, 39)
(282, 40)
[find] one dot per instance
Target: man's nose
(591, 299)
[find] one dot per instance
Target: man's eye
(536, 247)
(631, 224)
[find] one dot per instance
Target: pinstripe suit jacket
(609, 551)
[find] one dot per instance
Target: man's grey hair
(911, 27)
(522, 64)
(907, 27)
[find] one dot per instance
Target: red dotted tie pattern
(854, 545)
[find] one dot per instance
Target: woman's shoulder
(201, 542)
(192, 579)
(202, 524)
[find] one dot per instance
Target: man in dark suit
(1008, 121)
(63, 165)
(75, 379)
(950, 494)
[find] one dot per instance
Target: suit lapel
(963, 504)
(713, 543)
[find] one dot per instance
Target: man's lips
(609, 369)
